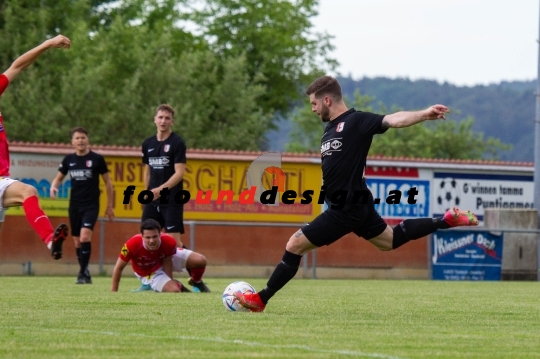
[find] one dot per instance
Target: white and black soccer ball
(229, 300)
(448, 194)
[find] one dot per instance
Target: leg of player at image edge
(404, 232)
(39, 221)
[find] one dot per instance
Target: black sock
(78, 253)
(411, 229)
(284, 272)
(86, 251)
(187, 269)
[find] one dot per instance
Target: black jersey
(161, 156)
(344, 149)
(84, 172)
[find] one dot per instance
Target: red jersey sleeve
(4, 82)
(127, 249)
(168, 245)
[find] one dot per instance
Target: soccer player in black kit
(84, 167)
(344, 148)
(164, 156)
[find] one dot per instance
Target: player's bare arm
(29, 57)
(109, 212)
(410, 118)
(179, 169)
(168, 266)
(55, 183)
(117, 274)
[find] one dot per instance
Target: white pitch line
(219, 340)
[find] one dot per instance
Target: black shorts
(82, 217)
(170, 217)
(333, 224)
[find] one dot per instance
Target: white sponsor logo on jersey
(158, 162)
(332, 145)
(79, 175)
(335, 144)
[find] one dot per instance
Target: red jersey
(143, 261)
(4, 148)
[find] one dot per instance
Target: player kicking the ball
(14, 193)
(344, 149)
(154, 257)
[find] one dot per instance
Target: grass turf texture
(51, 317)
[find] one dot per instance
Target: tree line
(229, 67)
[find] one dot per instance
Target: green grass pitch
(51, 317)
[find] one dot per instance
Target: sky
(463, 42)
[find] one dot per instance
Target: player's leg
(75, 222)
(173, 216)
(15, 193)
(195, 263)
(89, 219)
(161, 282)
(327, 228)
(411, 229)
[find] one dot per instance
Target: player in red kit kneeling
(154, 257)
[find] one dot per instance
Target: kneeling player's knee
(201, 261)
(171, 287)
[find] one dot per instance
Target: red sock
(196, 274)
(38, 219)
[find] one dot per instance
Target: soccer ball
(229, 300)
(448, 194)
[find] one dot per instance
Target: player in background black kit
(84, 168)
(344, 148)
(164, 156)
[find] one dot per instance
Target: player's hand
(52, 192)
(59, 41)
(156, 192)
(109, 212)
(436, 112)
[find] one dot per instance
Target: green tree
(441, 139)
(277, 39)
(115, 75)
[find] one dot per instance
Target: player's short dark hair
(165, 107)
(325, 86)
(150, 224)
(78, 129)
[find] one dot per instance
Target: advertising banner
(381, 181)
(476, 192)
(461, 255)
(39, 170)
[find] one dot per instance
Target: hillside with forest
(505, 111)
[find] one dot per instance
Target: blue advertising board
(462, 255)
(381, 187)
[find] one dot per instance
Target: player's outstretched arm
(409, 118)
(117, 274)
(29, 57)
